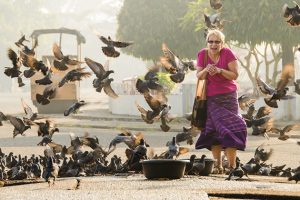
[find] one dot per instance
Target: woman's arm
(231, 73)
(201, 73)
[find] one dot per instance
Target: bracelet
(221, 70)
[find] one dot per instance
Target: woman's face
(214, 44)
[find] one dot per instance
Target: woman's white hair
(216, 33)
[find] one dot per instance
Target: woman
(225, 128)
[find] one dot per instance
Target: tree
(150, 23)
(252, 24)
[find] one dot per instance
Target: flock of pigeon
(75, 160)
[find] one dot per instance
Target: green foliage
(150, 23)
(258, 21)
(165, 81)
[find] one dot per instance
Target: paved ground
(96, 120)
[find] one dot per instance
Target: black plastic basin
(163, 168)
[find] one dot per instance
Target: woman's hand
(212, 69)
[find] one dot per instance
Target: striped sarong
(224, 126)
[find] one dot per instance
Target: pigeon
(198, 166)
(74, 108)
(48, 93)
(109, 50)
(185, 136)
(265, 170)
(106, 85)
(61, 61)
(245, 101)
(236, 173)
(282, 132)
(33, 64)
(30, 115)
(19, 126)
(2, 118)
(280, 92)
(46, 128)
(149, 83)
(15, 70)
(19, 43)
(173, 64)
(293, 14)
(251, 167)
(47, 78)
(295, 177)
(165, 117)
(262, 155)
(174, 150)
(74, 75)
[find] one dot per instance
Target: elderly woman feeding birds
(224, 129)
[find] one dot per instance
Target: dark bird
(215, 4)
(282, 132)
(185, 136)
(165, 117)
(212, 21)
(61, 62)
(293, 14)
(280, 92)
(131, 140)
(245, 101)
(19, 126)
(20, 82)
(51, 170)
(251, 167)
(46, 80)
(174, 150)
(143, 112)
(236, 173)
(173, 64)
(47, 141)
(198, 166)
(263, 111)
(109, 50)
(297, 86)
(48, 93)
(295, 177)
(19, 43)
(15, 70)
(156, 102)
(265, 170)
(46, 128)
(262, 155)
(275, 171)
(33, 64)
(74, 108)
(106, 85)
(286, 172)
(2, 118)
(30, 115)
(98, 69)
(74, 75)
(149, 83)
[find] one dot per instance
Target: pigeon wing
(110, 92)
(57, 52)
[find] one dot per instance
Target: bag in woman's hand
(199, 112)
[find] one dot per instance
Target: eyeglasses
(213, 41)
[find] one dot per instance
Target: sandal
(217, 170)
